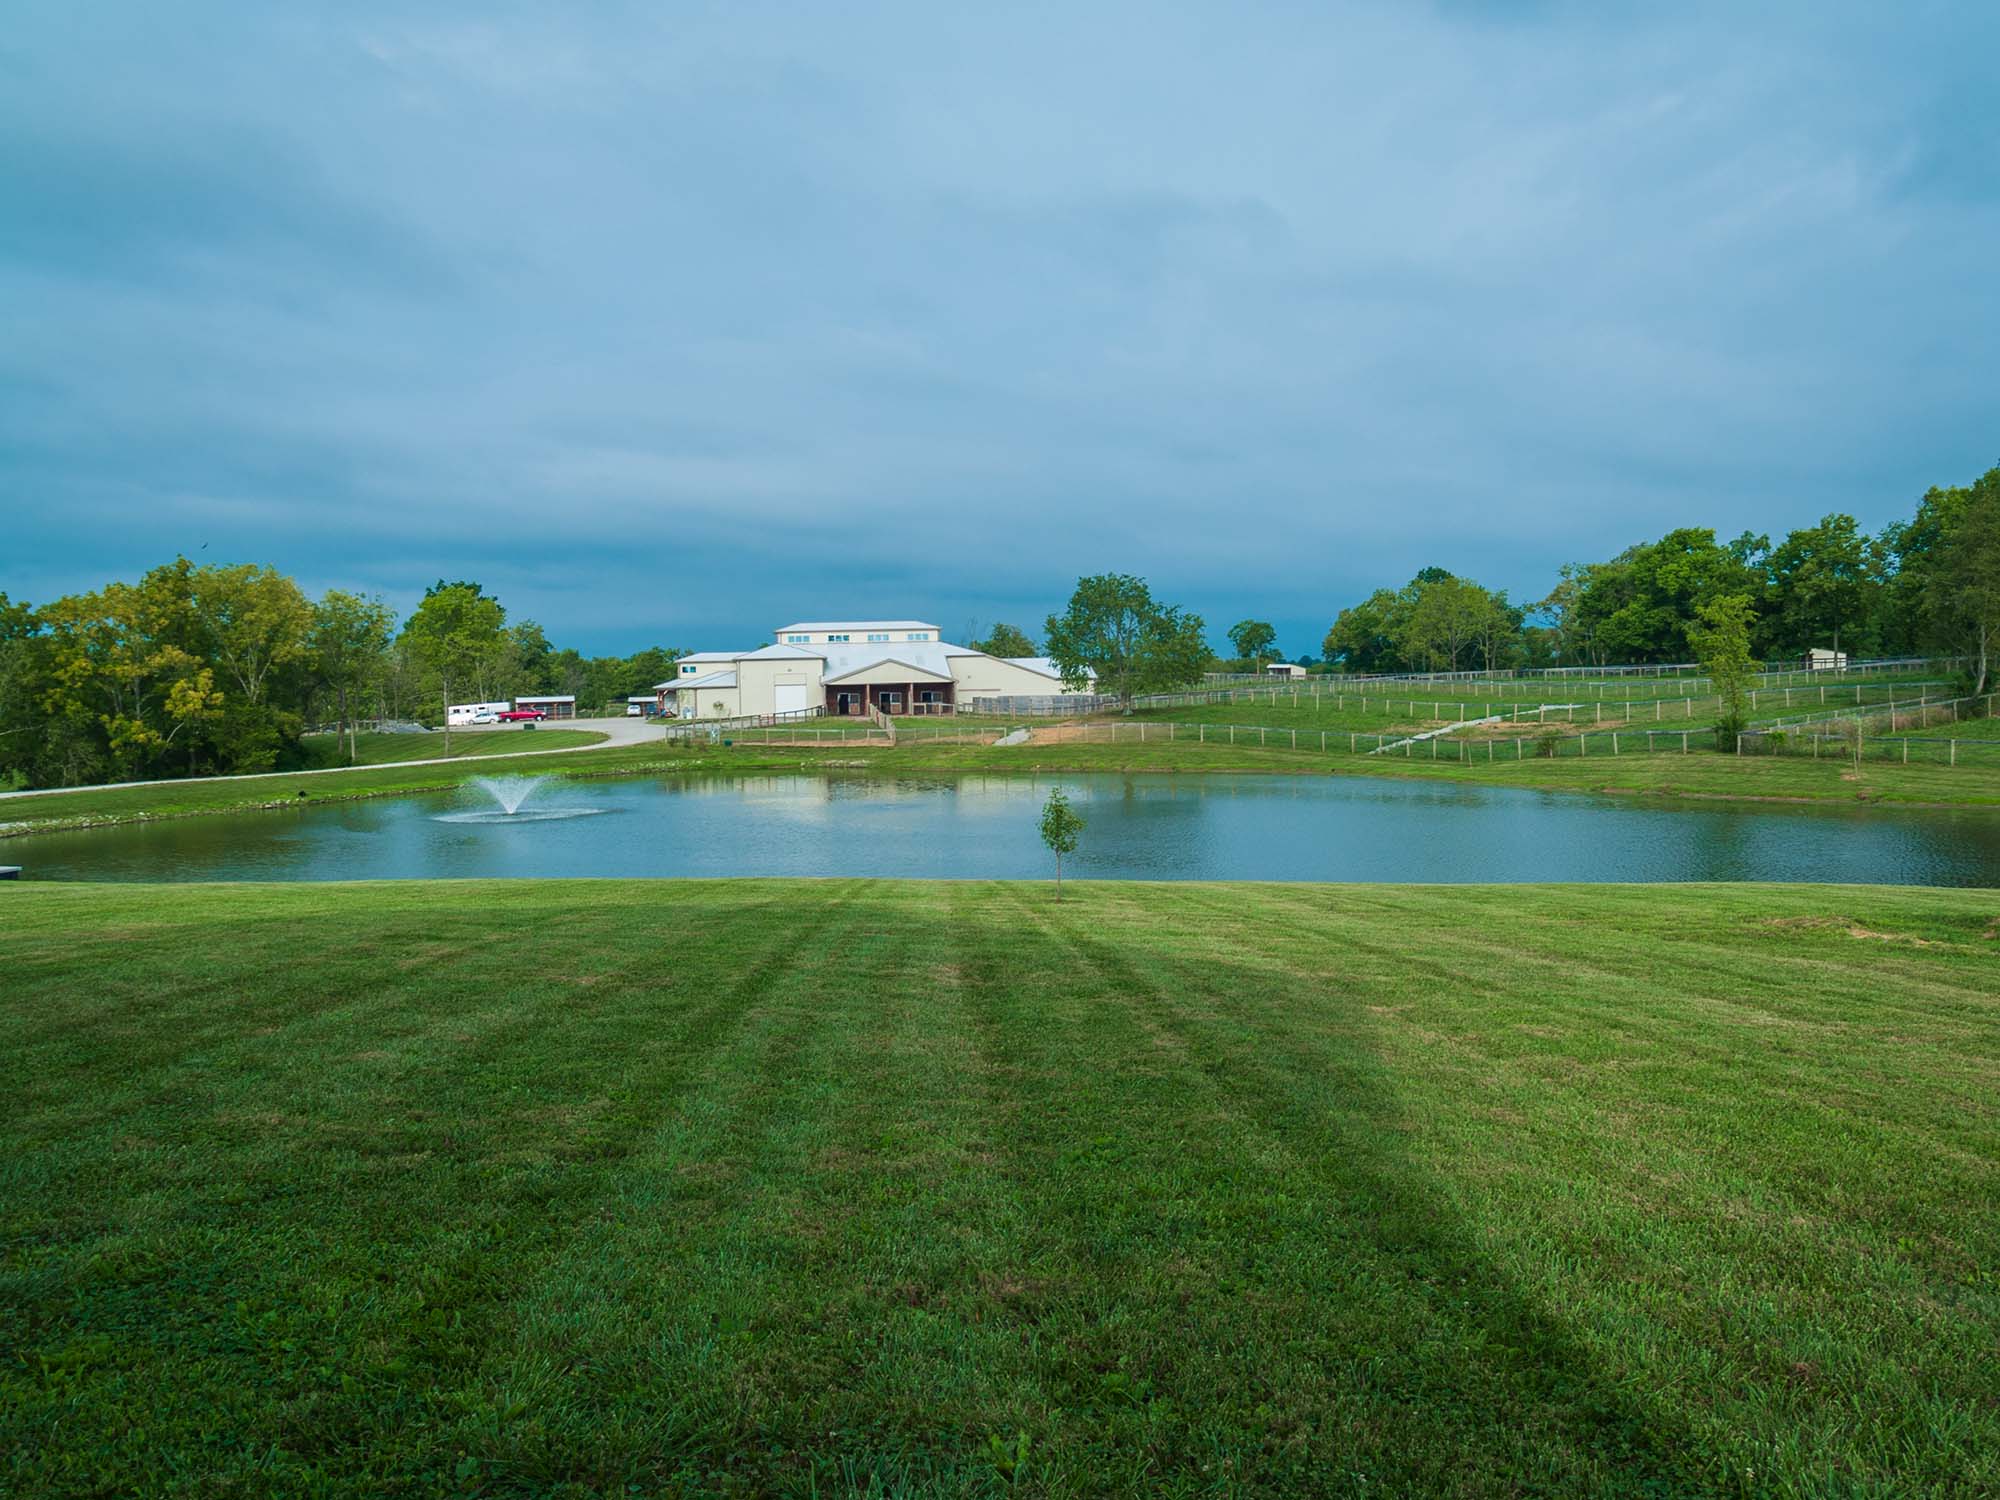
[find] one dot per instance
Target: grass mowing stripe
(1293, 1205)
(1338, 1124)
(813, 1185)
(1869, 1259)
(409, 1275)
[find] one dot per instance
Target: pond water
(1139, 827)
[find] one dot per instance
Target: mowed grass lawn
(828, 1187)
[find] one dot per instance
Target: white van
(458, 715)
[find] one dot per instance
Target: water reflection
(1141, 827)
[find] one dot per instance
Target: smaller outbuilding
(556, 706)
(1284, 669)
(1820, 659)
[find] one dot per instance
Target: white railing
(677, 728)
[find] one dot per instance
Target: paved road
(620, 731)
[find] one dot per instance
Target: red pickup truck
(518, 715)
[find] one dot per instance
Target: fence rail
(675, 729)
(1479, 747)
(1594, 710)
(1863, 734)
(1459, 747)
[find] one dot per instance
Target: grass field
(387, 749)
(1583, 688)
(811, 1188)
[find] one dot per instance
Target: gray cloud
(670, 321)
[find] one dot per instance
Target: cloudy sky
(669, 321)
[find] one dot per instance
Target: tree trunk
(1058, 877)
(446, 682)
(346, 723)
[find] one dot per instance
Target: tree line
(222, 669)
(1928, 584)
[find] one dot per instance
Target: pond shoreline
(722, 821)
(1664, 779)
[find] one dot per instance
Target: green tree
(1639, 606)
(1114, 632)
(1721, 638)
(1254, 641)
(350, 647)
(1445, 617)
(1363, 636)
(1498, 633)
(456, 628)
(256, 622)
(1822, 581)
(1006, 640)
(1061, 827)
(23, 668)
(1570, 639)
(1962, 578)
(526, 660)
(117, 659)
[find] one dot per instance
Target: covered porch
(890, 687)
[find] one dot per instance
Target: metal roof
(930, 657)
(706, 680)
(824, 625)
(935, 674)
(1037, 664)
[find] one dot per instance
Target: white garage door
(791, 697)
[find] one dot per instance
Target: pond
(1139, 827)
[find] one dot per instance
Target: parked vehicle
(522, 716)
(459, 714)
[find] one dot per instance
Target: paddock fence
(1576, 707)
(1882, 733)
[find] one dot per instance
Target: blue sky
(669, 322)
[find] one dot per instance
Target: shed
(556, 706)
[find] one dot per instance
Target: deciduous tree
(1253, 640)
(1963, 583)
(1006, 640)
(1114, 632)
(1721, 638)
(456, 628)
(350, 646)
(1061, 827)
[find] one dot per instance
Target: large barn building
(850, 667)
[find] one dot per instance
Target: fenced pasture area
(1484, 743)
(1868, 667)
(1960, 731)
(1457, 731)
(1303, 709)
(1788, 687)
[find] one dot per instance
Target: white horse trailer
(458, 715)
